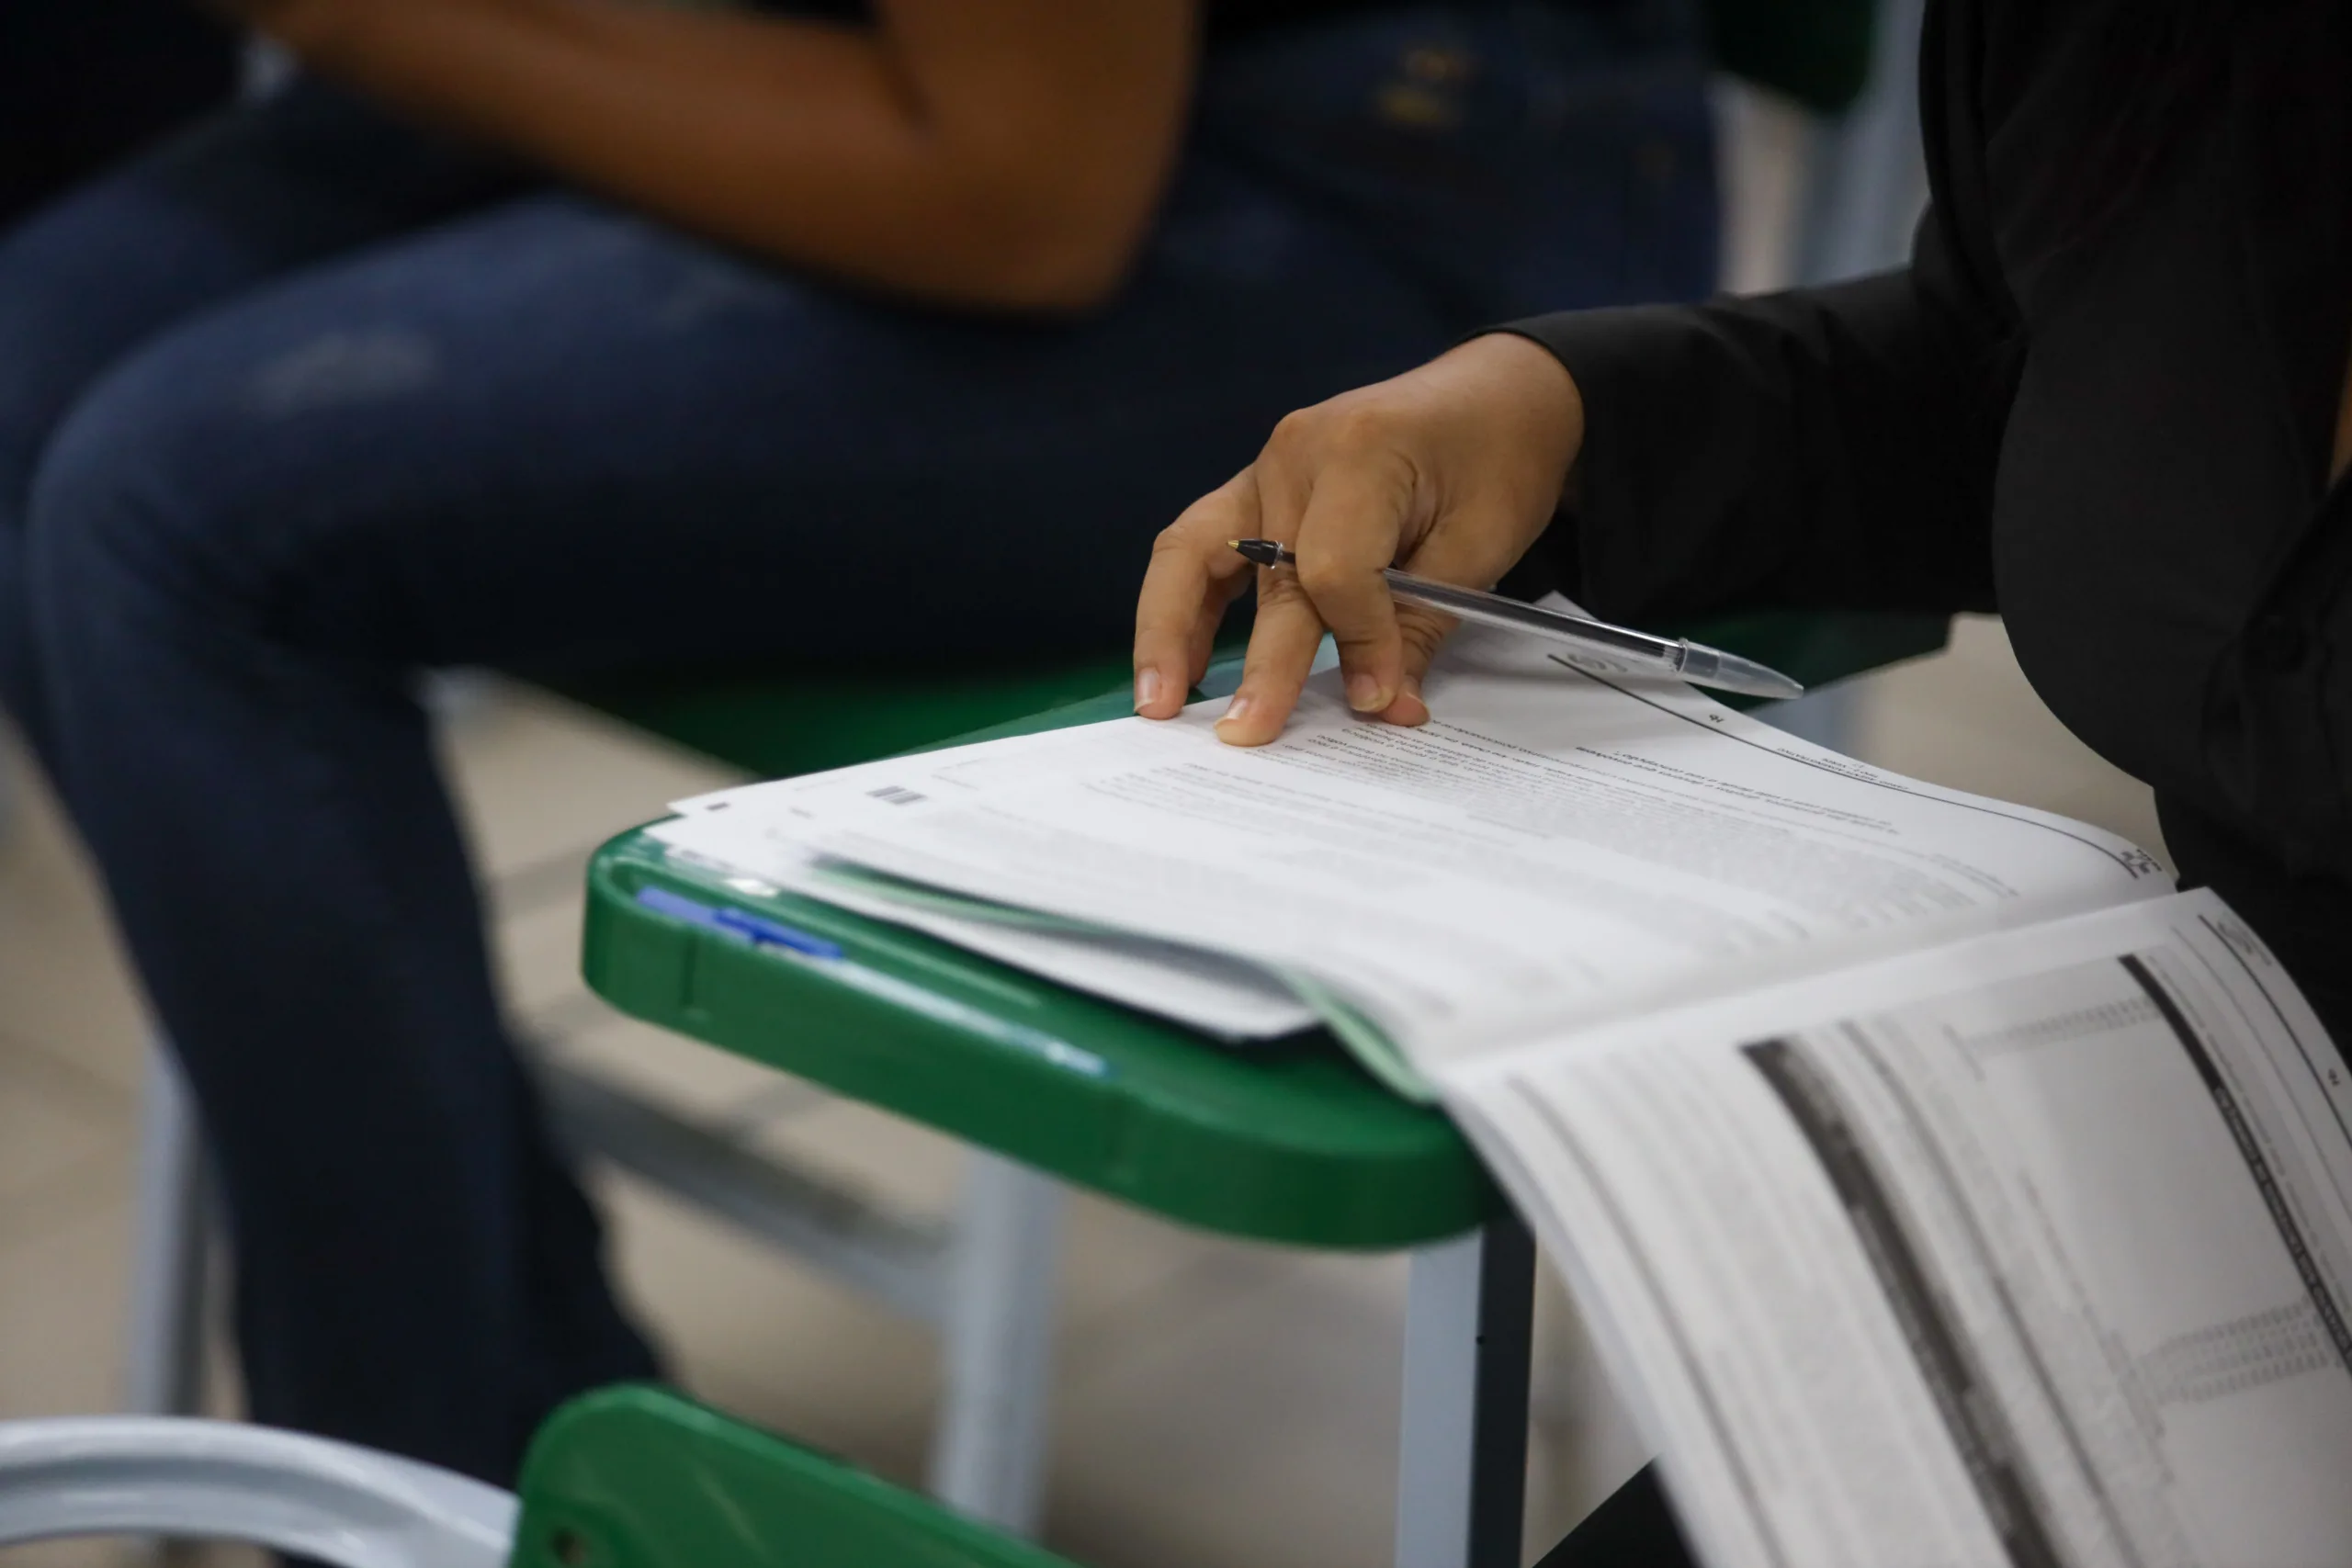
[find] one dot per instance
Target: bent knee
(173, 482)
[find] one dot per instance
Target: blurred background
(1216, 1404)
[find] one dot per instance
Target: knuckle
(1296, 430)
(1178, 537)
(1277, 589)
(1359, 427)
(1326, 579)
(1208, 513)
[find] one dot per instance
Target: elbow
(1071, 282)
(1031, 235)
(1046, 264)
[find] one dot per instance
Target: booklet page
(1215, 993)
(1551, 844)
(2034, 1250)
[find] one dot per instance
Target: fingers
(1193, 577)
(1419, 632)
(1338, 494)
(1357, 511)
(1461, 551)
(1450, 470)
(1281, 650)
(1287, 631)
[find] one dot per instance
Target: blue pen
(765, 933)
(759, 931)
(756, 930)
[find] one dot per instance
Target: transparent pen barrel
(1494, 610)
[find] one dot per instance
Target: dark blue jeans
(312, 400)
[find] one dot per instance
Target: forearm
(1826, 448)
(834, 147)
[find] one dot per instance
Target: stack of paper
(1944, 1190)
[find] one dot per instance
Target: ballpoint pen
(1611, 648)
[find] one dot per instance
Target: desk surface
(1288, 1143)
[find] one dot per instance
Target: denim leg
(415, 1270)
(249, 196)
(558, 435)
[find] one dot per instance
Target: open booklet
(1944, 1188)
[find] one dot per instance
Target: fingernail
(1237, 712)
(1364, 694)
(1147, 687)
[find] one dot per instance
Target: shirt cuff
(1614, 355)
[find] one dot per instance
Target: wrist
(1539, 403)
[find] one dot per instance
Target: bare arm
(1004, 153)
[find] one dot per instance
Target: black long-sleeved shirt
(2101, 400)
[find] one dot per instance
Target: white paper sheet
(1551, 846)
(1945, 1193)
(2033, 1249)
(1224, 999)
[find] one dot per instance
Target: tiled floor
(1218, 1405)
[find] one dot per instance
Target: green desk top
(1288, 1143)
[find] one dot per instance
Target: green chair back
(637, 1477)
(778, 724)
(1816, 51)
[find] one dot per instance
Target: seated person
(569, 333)
(2109, 396)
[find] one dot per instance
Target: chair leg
(1461, 1458)
(996, 1330)
(171, 1239)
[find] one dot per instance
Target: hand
(1450, 471)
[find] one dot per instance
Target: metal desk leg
(1462, 1464)
(997, 1333)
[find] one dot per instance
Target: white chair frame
(347, 1506)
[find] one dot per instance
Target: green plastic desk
(1289, 1143)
